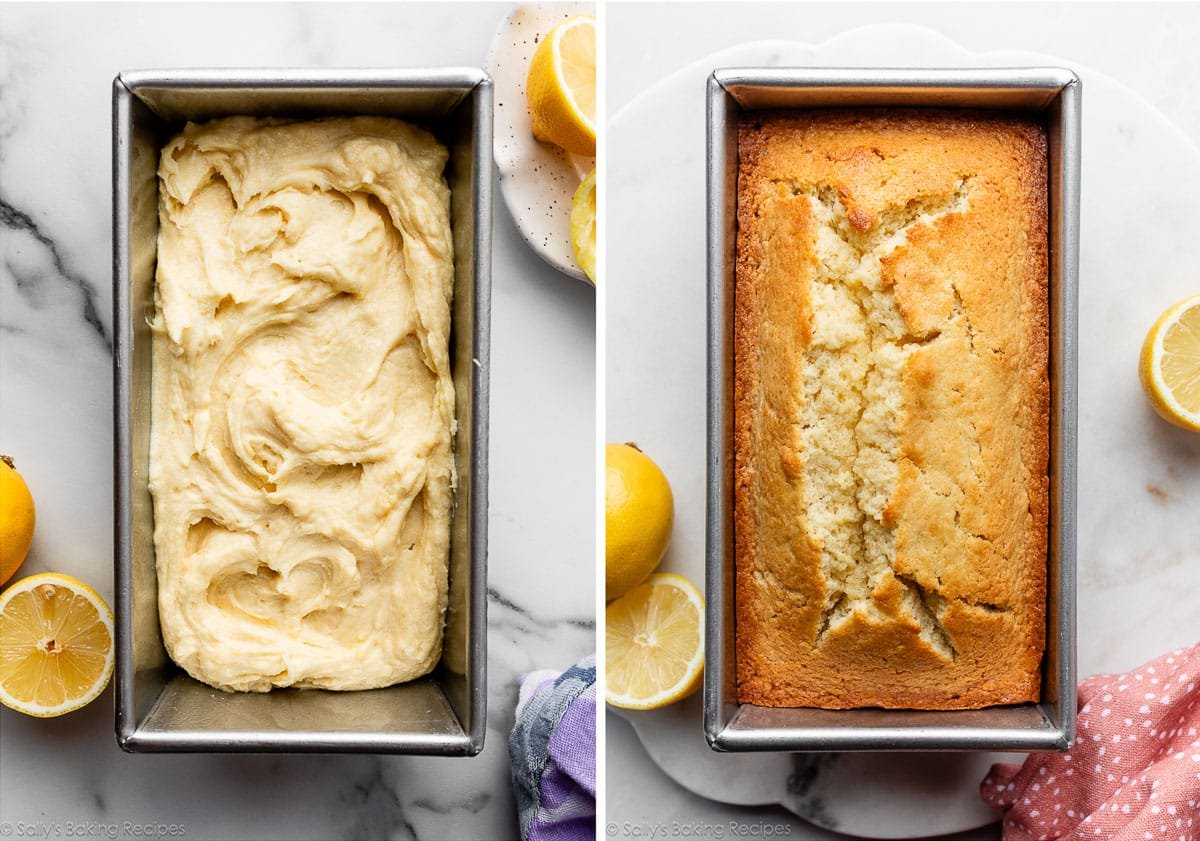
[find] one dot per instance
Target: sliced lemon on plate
(561, 86)
(583, 225)
(56, 645)
(1170, 364)
(654, 638)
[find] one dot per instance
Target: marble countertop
(1142, 46)
(57, 63)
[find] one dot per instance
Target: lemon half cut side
(561, 86)
(583, 225)
(654, 643)
(56, 645)
(1169, 365)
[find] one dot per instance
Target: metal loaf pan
(1052, 93)
(158, 707)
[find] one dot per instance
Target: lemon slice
(583, 225)
(561, 86)
(654, 637)
(56, 645)
(1170, 364)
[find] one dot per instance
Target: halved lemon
(1170, 364)
(561, 86)
(56, 645)
(654, 638)
(583, 225)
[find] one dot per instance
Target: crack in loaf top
(302, 406)
(891, 408)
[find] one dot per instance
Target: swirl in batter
(302, 407)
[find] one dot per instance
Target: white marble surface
(56, 67)
(1138, 537)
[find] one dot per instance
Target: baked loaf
(891, 409)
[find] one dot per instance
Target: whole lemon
(16, 519)
(639, 514)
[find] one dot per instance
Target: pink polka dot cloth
(1133, 771)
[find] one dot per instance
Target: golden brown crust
(953, 205)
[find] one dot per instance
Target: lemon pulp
(1181, 359)
(1169, 366)
(654, 643)
(561, 86)
(583, 225)
(56, 641)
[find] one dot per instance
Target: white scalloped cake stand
(1139, 480)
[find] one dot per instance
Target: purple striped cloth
(553, 753)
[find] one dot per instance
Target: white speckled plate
(537, 180)
(1139, 571)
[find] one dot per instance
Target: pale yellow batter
(300, 454)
